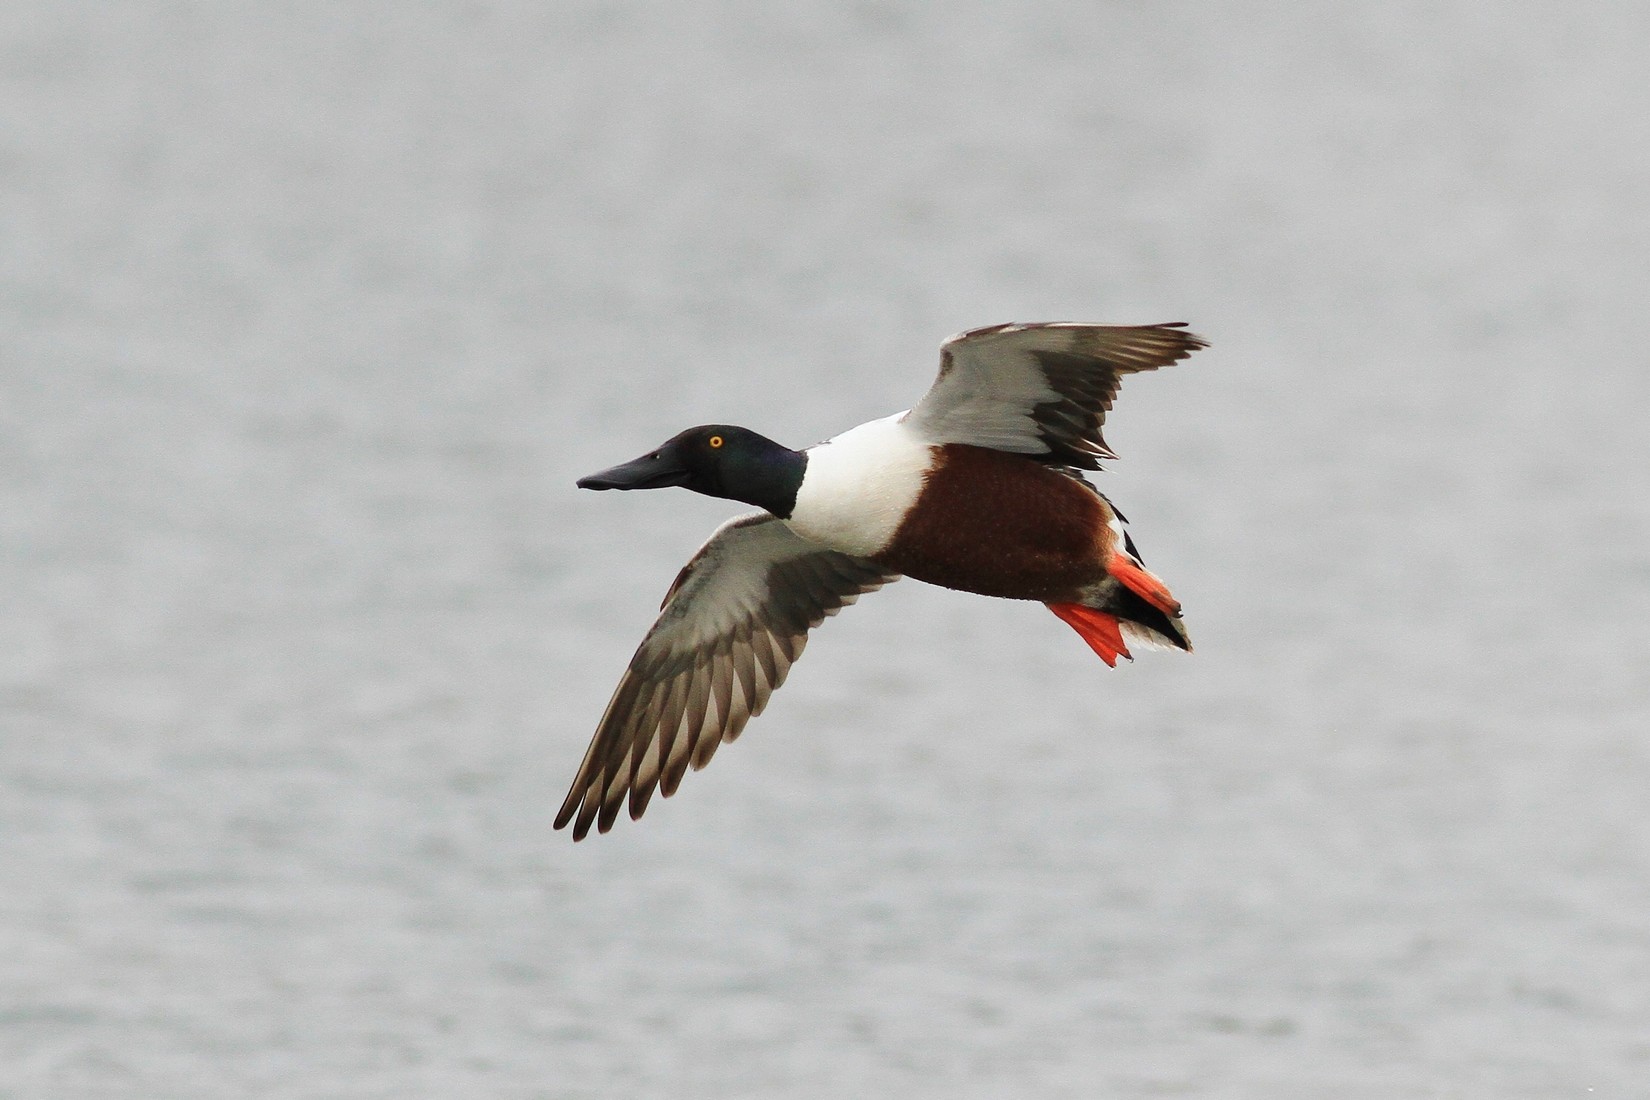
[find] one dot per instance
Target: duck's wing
(1041, 390)
(730, 628)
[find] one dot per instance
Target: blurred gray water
(311, 314)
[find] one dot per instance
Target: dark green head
(719, 460)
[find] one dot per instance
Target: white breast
(859, 485)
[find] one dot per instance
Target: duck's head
(719, 460)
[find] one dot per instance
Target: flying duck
(979, 487)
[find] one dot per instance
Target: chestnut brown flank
(1002, 525)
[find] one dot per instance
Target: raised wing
(730, 628)
(1041, 390)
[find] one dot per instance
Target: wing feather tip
(609, 813)
(564, 816)
(639, 798)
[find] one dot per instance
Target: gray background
(310, 315)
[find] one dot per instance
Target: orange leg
(1097, 628)
(1143, 584)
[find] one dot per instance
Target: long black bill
(652, 471)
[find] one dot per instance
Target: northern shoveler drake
(979, 487)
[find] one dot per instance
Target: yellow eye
(715, 441)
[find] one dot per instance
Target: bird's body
(976, 488)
